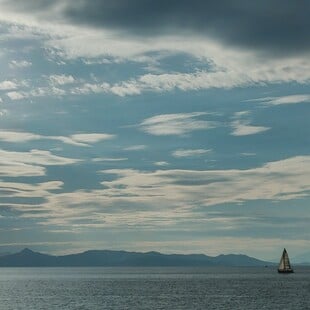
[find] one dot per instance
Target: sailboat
(284, 265)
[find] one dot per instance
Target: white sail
(281, 265)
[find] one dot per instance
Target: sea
(154, 288)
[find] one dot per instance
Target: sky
(173, 126)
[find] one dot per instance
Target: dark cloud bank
(275, 25)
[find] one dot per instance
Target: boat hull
(286, 271)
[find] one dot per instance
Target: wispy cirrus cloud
(244, 128)
(176, 124)
(20, 169)
(165, 197)
(242, 125)
(32, 163)
(189, 153)
(161, 163)
(26, 190)
(137, 147)
(109, 159)
(291, 99)
(15, 136)
(280, 180)
(39, 157)
(84, 139)
(91, 137)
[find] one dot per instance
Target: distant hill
(107, 258)
(239, 260)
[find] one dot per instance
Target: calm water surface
(153, 288)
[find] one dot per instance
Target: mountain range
(108, 258)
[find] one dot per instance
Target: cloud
(241, 125)
(16, 164)
(280, 26)
(189, 153)
(18, 169)
(3, 112)
(77, 139)
(61, 79)
(26, 198)
(20, 64)
(103, 159)
(161, 163)
(36, 157)
(15, 95)
(228, 66)
(88, 88)
(226, 75)
(36, 92)
(25, 190)
(166, 198)
(243, 128)
(292, 99)
(8, 85)
(14, 136)
(135, 147)
(255, 25)
(280, 180)
(91, 137)
(175, 124)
